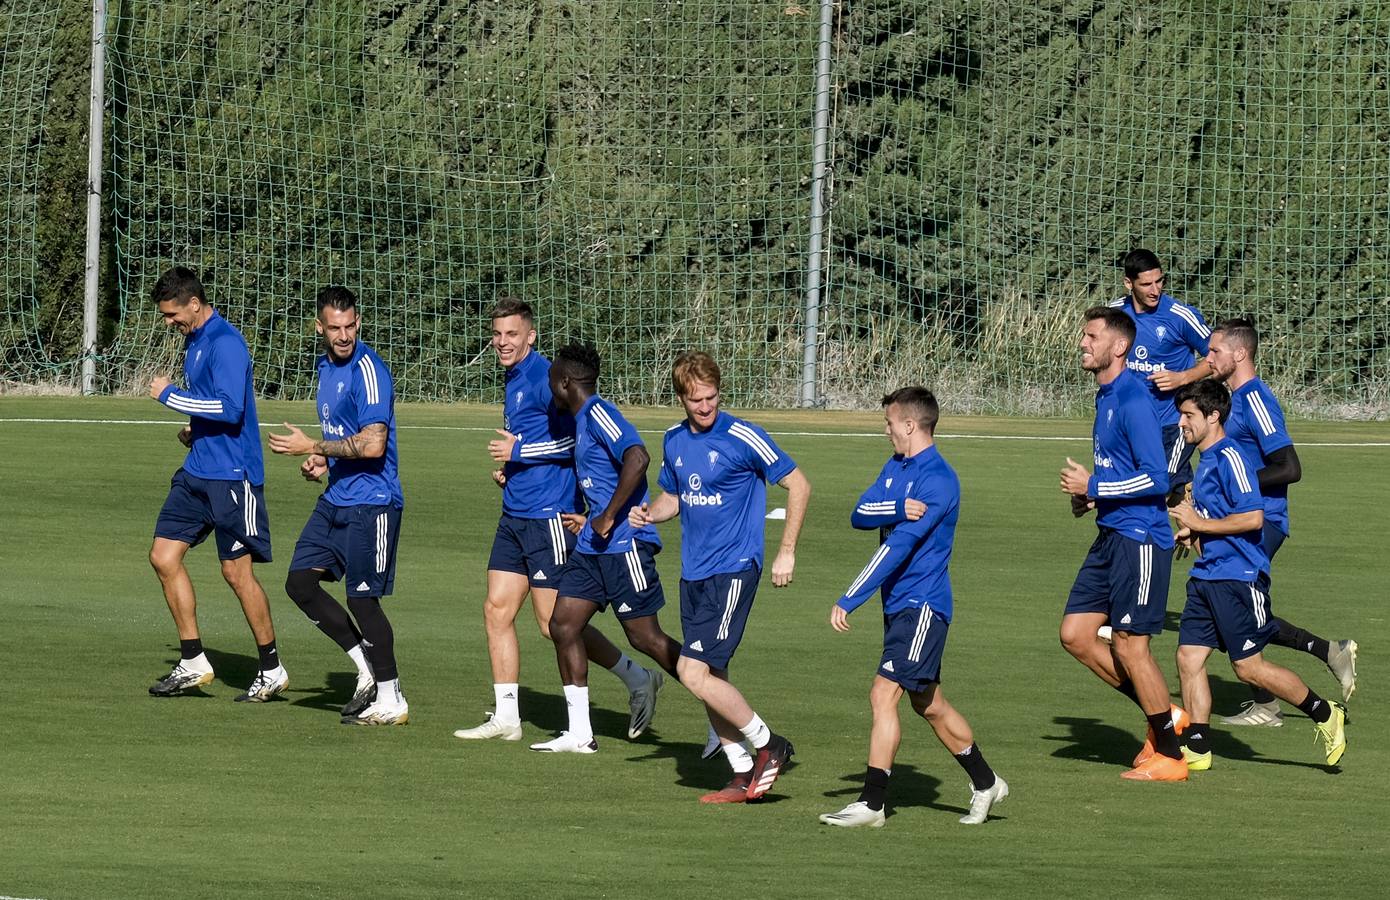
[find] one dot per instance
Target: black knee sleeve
(308, 594)
(376, 635)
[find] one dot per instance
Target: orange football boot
(1158, 768)
(1180, 722)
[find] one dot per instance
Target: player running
(356, 524)
(613, 563)
(536, 533)
(1123, 582)
(219, 489)
(1228, 592)
(1256, 425)
(914, 503)
(714, 473)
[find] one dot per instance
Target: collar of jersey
(327, 360)
(205, 328)
(525, 366)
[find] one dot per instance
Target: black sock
(1165, 737)
(1260, 695)
(270, 659)
(377, 636)
(308, 594)
(190, 649)
(1126, 687)
(1195, 737)
(1315, 708)
(875, 788)
(973, 762)
(1292, 636)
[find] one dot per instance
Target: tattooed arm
(369, 443)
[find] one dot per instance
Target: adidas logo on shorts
(888, 666)
(697, 646)
(364, 586)
(539, 576)
(624, 608)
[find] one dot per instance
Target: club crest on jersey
(197, 357)
(888, 483)
(694, 482)
(342, 386)
(1141, 352)
(1161, 331)
(517, 397)
(713, 458)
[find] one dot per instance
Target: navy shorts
(913, 641)
(358, 542)
(714, 612)
(1272, 539)
(1179, 453)
(536, 548)
(1126, 580)
(1230, 616)
(232, 510)
(628, 580)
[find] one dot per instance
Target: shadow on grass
(336, 691)
(908, 787)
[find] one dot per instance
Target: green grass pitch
(109, 793)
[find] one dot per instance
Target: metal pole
(815, 256)
(94, 146)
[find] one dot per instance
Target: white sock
(198, 663)
(577, 699)
(633, 675)
(504, 695)
(740, 760)
(359, 659)
(389, 692)
(757, 732)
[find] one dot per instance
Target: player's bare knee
(693, 674)
(1249, 670)
(237, 573)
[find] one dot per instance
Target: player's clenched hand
(157, 385)
(314, 467)
(1185, 515)
(782, 568)
(1076, 478)
(839, 619)
(1081, 504)
(603, 524)
(500, 477)
(186, 436)
(914, 509)
(639, 515)
(501, 449)
(573, 522)
(296, 443)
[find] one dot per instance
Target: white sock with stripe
(740, 760)
(577, 699)
(633, 675)
(389, 692)
(505, 698)
(358, 655)
(757, 732)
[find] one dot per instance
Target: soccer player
(613, 563)
(355, 526)
(1168, 336)
(1228, 591)
(1256, 425)
(539, 496)
(219, 489)
(914, 503)
(714, 474)
(1123, 582)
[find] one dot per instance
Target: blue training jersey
(1131, 476)
(540, 474)
(1256, 424)
(910, 565)
(602, 436)
(1225, 484)
(1168, 338)
(220, 401)
(353, 395)
(720, 477)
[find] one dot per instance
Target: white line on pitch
(844, 434)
